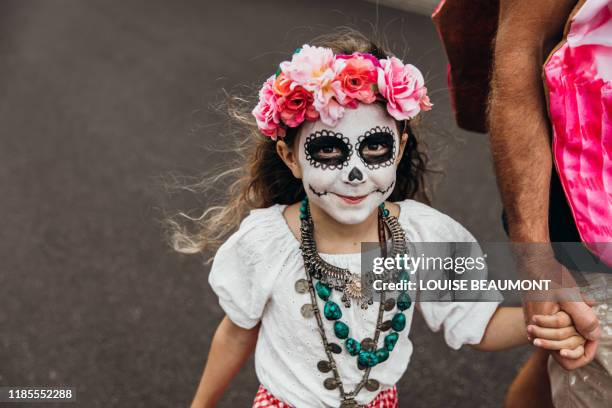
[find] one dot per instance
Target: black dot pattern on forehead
(374, 130)
(327, 166)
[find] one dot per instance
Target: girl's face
(350, 169)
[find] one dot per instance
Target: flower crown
(316, 84)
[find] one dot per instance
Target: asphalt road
(98, 100)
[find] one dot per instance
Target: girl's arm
(505, 330)
(231, 347)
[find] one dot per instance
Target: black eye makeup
(328, 150)
(376, 147)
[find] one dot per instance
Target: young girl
(334, 162)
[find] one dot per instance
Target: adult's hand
(587, 324)
(582, 317)
(536, 261)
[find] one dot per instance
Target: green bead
(391, 341)
(353, 346)
(323, 290)
(381, 206)
(341, 330)
(332, 310)
(403, 301)
(403, 276)
(303, 216)
(382, 354)
(367, 359)
(398, 322)
(386, 213)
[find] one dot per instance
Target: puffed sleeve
(462, 322)
(240, 275)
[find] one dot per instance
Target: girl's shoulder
(263, 229)
(423, 223)
(267, 222)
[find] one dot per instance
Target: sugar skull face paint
(350, 169)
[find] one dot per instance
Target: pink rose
(312, 69)
(363, 55)
(330, 100)
(330, 112)
(267, 112)
(358, 77)
(403, 88)
(425, 103)
(309, 67)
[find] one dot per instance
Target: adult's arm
(531, 386)
(520, 141)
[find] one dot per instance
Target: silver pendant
(335, 348)
(372, 385)
(307, 310)
(301, 286)
(330, 383)
(349, 403)
(324, 366)
(386, 325)
(389, 304)
(353, 287)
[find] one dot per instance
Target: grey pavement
(98, 100)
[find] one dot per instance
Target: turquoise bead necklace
(366, 351)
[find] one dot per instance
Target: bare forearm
(230, 348)
(531, 387)
(505, 330)
(523, 165)
(518, 120)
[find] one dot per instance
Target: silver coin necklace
(322, 278)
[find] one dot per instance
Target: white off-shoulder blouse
(254, 273)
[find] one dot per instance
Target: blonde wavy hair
(258, 178)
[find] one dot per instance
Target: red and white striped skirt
(385, 399)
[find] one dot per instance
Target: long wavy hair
(258, 178)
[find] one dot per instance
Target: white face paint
(349, 169)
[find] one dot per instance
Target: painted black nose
(355, 174)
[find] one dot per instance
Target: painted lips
(352, 199)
